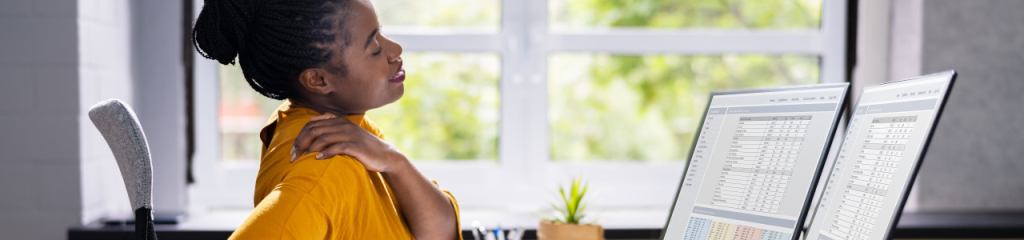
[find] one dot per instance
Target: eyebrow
(370, 38)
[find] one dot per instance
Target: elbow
(443, 228)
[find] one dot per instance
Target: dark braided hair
(274, 40)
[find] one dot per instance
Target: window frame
(524, 176)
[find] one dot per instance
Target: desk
(911, 226)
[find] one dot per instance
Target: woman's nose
(394, 51)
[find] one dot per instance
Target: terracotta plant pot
(556, 231)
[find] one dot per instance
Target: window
(730, 14)
(465, 15)
(660, 97)
(505, 99)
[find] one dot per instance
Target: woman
(324, 57)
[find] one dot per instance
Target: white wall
(104, 34)
(39, 146)
(57, 58)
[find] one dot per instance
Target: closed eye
(379, 49)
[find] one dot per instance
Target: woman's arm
(426, 208)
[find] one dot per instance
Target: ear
(315, 80)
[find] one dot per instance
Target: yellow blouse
(335, 198)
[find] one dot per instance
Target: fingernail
(292, 152)
(319, 156)
(293, 157)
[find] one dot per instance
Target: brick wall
(57, 58)
(39, 143)
(104, 34)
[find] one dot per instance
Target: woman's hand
(425, 207)
(331, 135)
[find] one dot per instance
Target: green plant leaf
(568, 206)
(572, 212)
(582, 210)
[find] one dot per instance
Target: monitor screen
(878, 158)
(756, 158)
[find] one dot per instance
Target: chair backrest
(123, 133)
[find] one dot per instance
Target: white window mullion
(833, 27)
(513, 109)
(514, 139)
(535, 89)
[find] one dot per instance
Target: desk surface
(912, 225)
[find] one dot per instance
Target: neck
(323, 107)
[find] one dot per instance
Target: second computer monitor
(754, 163)
(879, 157)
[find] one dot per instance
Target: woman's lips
(399, 75)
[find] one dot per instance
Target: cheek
(365, 88)
(369, 70)
(378, 91)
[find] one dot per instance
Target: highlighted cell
(747, 233)
(697, 229)
(721, 231)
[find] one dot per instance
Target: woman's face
(375, 75)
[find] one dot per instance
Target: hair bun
(273, 40)
(220, 30)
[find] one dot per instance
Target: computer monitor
(755, 162)
(879, 157)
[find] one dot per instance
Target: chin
(399, 92)
(398, 95)
(394, 96)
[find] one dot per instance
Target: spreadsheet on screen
(755, 158)
(877, 158)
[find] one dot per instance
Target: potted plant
(566, 225)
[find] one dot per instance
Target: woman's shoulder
(306, 172)
(327, 180)
(343, 171)
(371, 127)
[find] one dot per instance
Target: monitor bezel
(917, 162)
(821, 163)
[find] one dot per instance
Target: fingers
(340, 148)
(326, 140)
(313, 130)
(308, 134)
(303, 139)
